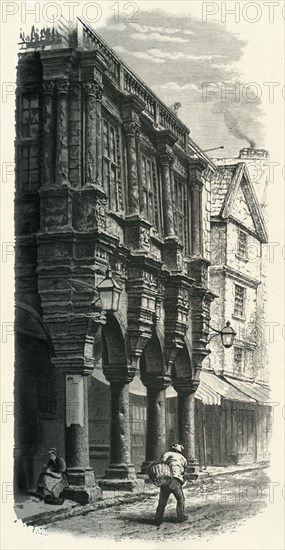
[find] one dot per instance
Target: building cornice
(235, 274)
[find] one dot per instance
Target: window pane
(148, 175)
(105, 139)
(242, 244)
(106, 176)
(238, 359)
(239, 300)
(112, 144)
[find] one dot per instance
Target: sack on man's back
(159, 473)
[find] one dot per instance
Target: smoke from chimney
(232, 124)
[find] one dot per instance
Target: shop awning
(258, 392)
(213, 389)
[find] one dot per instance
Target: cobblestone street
(218, 505)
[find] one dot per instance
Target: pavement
(34, 512)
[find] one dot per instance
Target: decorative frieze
(100, 212)
(180, 168)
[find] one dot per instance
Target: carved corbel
(176, 303)
(201, 299)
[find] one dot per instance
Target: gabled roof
(225, 184)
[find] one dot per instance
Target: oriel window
(30, 115)
(29, 163)
(28, 141)
(111, 168)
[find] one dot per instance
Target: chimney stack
(251, 153)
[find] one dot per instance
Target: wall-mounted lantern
(109, 291)
(227, 335)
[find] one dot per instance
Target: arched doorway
(38, 397)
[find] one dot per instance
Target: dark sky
(176, 56)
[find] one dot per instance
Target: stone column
(156, 427)
(99, 97)
(165, 161)
(120, 474)
(61, 163)
(120, 466)
(186, 420)
(196, 184)
(196, 220)
(48, 143)
(132, 163)
(80, 475)
(90, 133)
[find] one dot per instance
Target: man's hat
(177, 447)
(53, 450)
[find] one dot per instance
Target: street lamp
(227, 335)
(109, 291)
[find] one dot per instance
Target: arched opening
(39, 399)
(180, 369)
(99, 409)
(109, 349)
(151, 360)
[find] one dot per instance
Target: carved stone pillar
(99, 97)
(197, 240)
(166, 159)
(120, 466)
(76, 432)
(196, 183)
(90, 134)
(156, 428)
(201, 299)
(131, 129)
(186, 419)
(131, 108)
(120, 473)
(61, 164)
(48, 145)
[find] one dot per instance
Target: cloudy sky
(184, 59)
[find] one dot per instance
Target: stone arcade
(107, 178)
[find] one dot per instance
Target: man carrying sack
(177, 464)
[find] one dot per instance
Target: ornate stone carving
(47, 172)
(131, 128)
(166, 158)
(62, 134)
(48, 87)
(90, 159)
(176, 314)
(100, 212)
(90, 88)
(99, 91)
(144, 241)
(180, 168)
(200, 306)
(101, 253)
(62, 86)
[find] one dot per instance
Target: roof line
(120, 60)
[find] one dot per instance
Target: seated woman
(53, 479)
